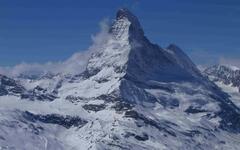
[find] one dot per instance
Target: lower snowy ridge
(177, 116)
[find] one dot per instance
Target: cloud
(74, 65)
(100, 38)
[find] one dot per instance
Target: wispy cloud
(102, 36)
(74, 65)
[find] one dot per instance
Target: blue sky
(52, 30)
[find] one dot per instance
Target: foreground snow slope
(132, 95)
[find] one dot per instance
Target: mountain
(227, 78)
(132, 95)
(10, 86)
(229, 75)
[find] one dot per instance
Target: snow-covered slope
(132, 95)
(227, 78)
(229, 75)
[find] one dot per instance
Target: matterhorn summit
(132, 95)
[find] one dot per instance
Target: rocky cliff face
(132, 95)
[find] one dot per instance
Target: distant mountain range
(229, 75)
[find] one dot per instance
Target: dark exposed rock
(44, 97)
(194, 110)
(132, 114)
(3, 91)
(17, 89)
(168, 102)
(192, 133)
(162, 126)
(119, 146)
(74, 99)
(35, 129)
(230, 119)
(38, 88)
(7, 81)
(38, 96)
(119, 69)
(103, 80)
(122, 106)
(89, 72)
(109, 98)
(229, 113)
(143, 137)
(65, 121)
(94, 107)
(162, 87)
(9, 86)
(2, 138)
(58, 86)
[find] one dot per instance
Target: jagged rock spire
(126, 24)
(125, 13)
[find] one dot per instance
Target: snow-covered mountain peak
(128, 52)
(234, 68)
(231, 67)
(113, 54)
(222, 69)
(124, 12)
(126, 24)
(228, 75)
